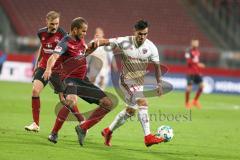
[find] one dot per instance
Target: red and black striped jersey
(48, 43)
(192, 56)
(72, 59)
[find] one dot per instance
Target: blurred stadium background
(173, 24)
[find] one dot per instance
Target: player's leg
(118, 121)
(59, 87)
(198, 80)
(143, 115)
(104, 107)
(96, 96)
(188, 91)
(92, 94)
(38, 85)
(71, 100)
(121, 117)
(149, 139)
(75, 111)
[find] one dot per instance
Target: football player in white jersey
(137, 52)
(100, 63)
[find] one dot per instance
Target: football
(165, 132)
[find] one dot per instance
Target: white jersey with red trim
(135, 58)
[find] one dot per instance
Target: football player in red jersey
(49, 37)
(74, 68)
(194, 75)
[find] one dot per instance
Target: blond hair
(52, 15)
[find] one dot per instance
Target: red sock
(199, 92)
(36, 109)
(61, 117)
(77, 114)
(94, 118)
(187, 94)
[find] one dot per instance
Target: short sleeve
(61, 47)
(39, 35)
(154, 55)
(40, 32)
(119, 42)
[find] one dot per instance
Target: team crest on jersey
(43, 38)
(49, 45)
(144, 50)
(58, 49)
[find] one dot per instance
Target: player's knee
(142, 102)
(201, 86)
(106, 103)
(189, 88)
(130, 111)
(71, 100)
(35, 92)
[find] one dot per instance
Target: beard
(78, 37)
(53, 30)
(140, 42)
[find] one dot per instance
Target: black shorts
(84, 89)
(194, 79)
(55, 81)
(38, 75)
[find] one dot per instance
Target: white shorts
(131, 91)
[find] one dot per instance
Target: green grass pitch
(210, 133)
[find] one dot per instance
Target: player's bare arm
(201, 65)
(38, 58)
(50, 63)
(92, 46)
(158, 78)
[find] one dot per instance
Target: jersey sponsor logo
(47, 51)
(43, 38)
(58, 49)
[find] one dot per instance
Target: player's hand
(62, 98)
(34, 70)
(47, 75)
(201, 65)
(159, 89)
